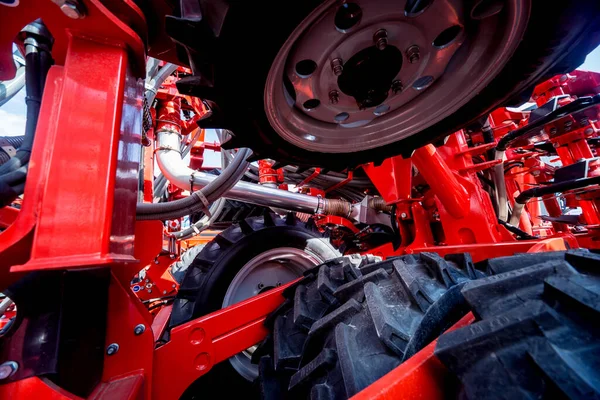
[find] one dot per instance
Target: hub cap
(266, 271)
(363, 74)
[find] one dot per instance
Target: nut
(112, 349)
(7, 369)
(397, 87)
(380, 38)
(337, 66)
(334, 97)
(139, 329)
(71, 8)
(413, 53)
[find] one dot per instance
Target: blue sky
(12, 114)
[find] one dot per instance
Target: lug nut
(337, 66)
(380, 38)
(413, 54)
(139, 329)
(7, 369)
(397, 87)
(112, 349)
(334, 97)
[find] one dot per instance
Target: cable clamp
(167, 148)
(204, 201)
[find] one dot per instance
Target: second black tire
(214, 267)
(352, 320)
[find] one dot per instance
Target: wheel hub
(369, 74)
(357, 76)
(267, 270)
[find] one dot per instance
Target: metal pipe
(453, 196)
(171, 164)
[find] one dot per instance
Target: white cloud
(11, 124)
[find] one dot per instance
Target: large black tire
(352, 320)
(179, 268)
(558, 37)
(538, 334)
(208, 276)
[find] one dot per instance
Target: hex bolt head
(112, 349)
(381, 39)
(403, 216)
(334, 97)
(72, 9)
(139, 329)
(397, 86)
(7, 369)
(337, 66)
(413, 54)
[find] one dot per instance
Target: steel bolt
(7, 369)
(334, 97)
(535, 173)
(584, 121)
(413, 53)
(588, 131)
(72, 9)
(397, 87)
(337, 65)
(568, 123)
(553, 131)
(112, 349)
(380, 38)
(261, 285)
(139, 329)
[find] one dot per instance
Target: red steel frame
(79, 212)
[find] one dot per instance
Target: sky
(12, 114)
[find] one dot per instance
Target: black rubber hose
(193, 204)
(191, 201)
(578, 105)
(522, 235)
(553, 188)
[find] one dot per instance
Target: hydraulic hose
(38, 59)
(154, 84)
(553, 188)
(172, 166)
(209, 192)
(504, 143)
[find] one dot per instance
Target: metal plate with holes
(357, 76)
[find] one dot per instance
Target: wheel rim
(267, 270)
(403, 68)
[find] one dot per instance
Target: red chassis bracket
(421, 377)
(198, 345)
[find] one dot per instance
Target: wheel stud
(337, 66)
(413, 54)
(380, 38)
(334, 97)
(397, 86)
